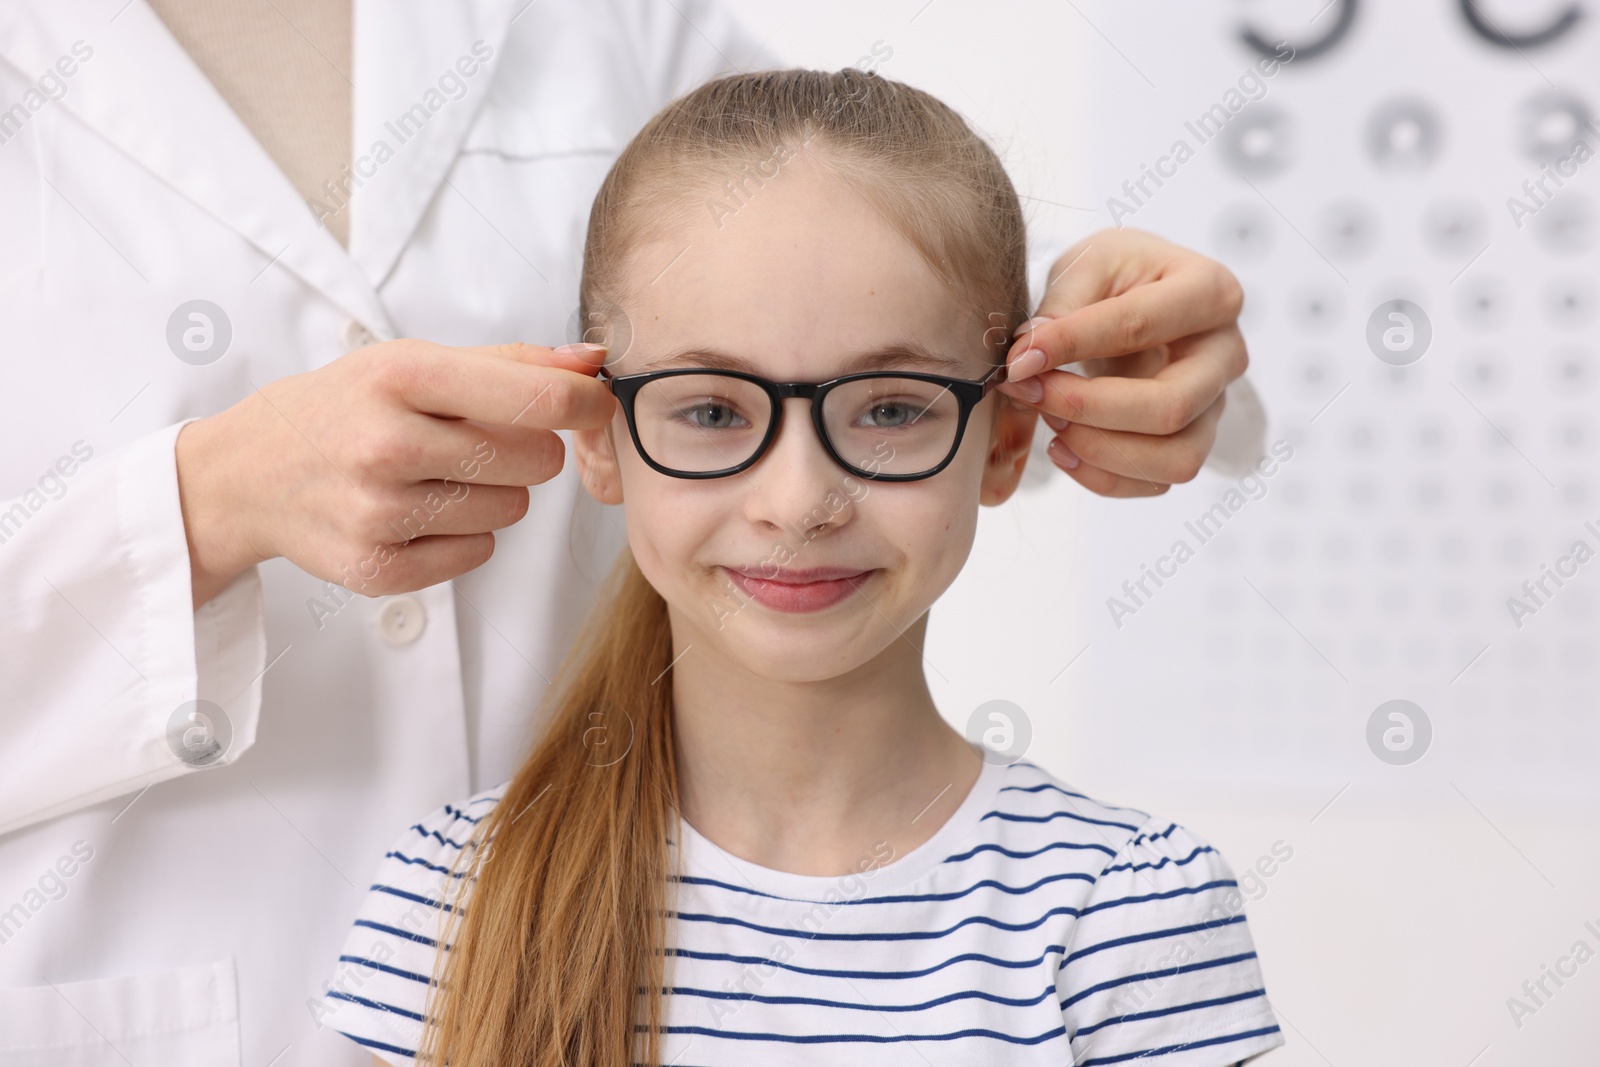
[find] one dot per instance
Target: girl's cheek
(945, 533)
(676, 525)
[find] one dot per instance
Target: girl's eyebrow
(900, 355)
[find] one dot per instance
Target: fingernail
(1030, 324)
(1055, 422)
(1063, 455)
(581, 348)
(1029, 392)
(1026, 365)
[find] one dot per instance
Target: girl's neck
(812, 777)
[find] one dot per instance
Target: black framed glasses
(894, 426)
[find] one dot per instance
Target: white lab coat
(153, 913)
(195, 928)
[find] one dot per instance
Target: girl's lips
(801, 590)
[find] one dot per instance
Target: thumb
(1030, 351)
(1077, 279)
(1079, 276)
(582, 358)
(591, 355)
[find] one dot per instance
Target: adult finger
(517, 384)
(1197, 374)
(1104, 483)
(404, 568)
(1167, 460)
(434, 508)
(423, 447)
(1146, 364)
(1104, 264)
(1194, 297)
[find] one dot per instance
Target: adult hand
(385, 470)
(1154, 328)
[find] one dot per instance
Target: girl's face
(803, 283)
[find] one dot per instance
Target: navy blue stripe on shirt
(386, 969)
(957, 894)
(1167, 1049)
(1157, 836)
(970, 994)
(437, 836)
(1177, 969)
(450, 809)
(822, 972)
(971, 852)
(404, 895)
(367, 1042)
(375, 1005)
(1159, 1012)
(933, 935)
(1199, 850)
(987, 883)
(439, 868)
(397, 932)
(894, 935)
(1069, 793)
(871, 1039)
(1010, 816)
(1152, 935)
(1186, 891)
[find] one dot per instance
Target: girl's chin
(787, 653)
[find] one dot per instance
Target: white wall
(1378, 562)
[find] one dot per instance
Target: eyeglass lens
(699, 423)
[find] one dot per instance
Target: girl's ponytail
(559, 945)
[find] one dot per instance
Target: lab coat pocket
(184, 1017)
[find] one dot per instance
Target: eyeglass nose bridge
(781, 391)
(813, 392)
(799, 390)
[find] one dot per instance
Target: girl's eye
(713, 414)
(892, 414)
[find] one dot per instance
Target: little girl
(747, 836)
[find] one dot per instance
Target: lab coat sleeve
(1242, 430)
(101, 650)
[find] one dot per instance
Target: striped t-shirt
(1037, 926)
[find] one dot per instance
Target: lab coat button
(401, 620)
(354, 335)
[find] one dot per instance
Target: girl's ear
(597, 464)
(1010, 440)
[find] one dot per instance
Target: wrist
(216, 523)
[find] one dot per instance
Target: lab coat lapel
(142, 92)
(409, 123)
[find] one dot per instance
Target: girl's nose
(796, 482)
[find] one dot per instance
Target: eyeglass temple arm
(995, 377)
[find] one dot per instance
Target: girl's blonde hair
(559, 957)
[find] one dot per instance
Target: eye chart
(1408, 192)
